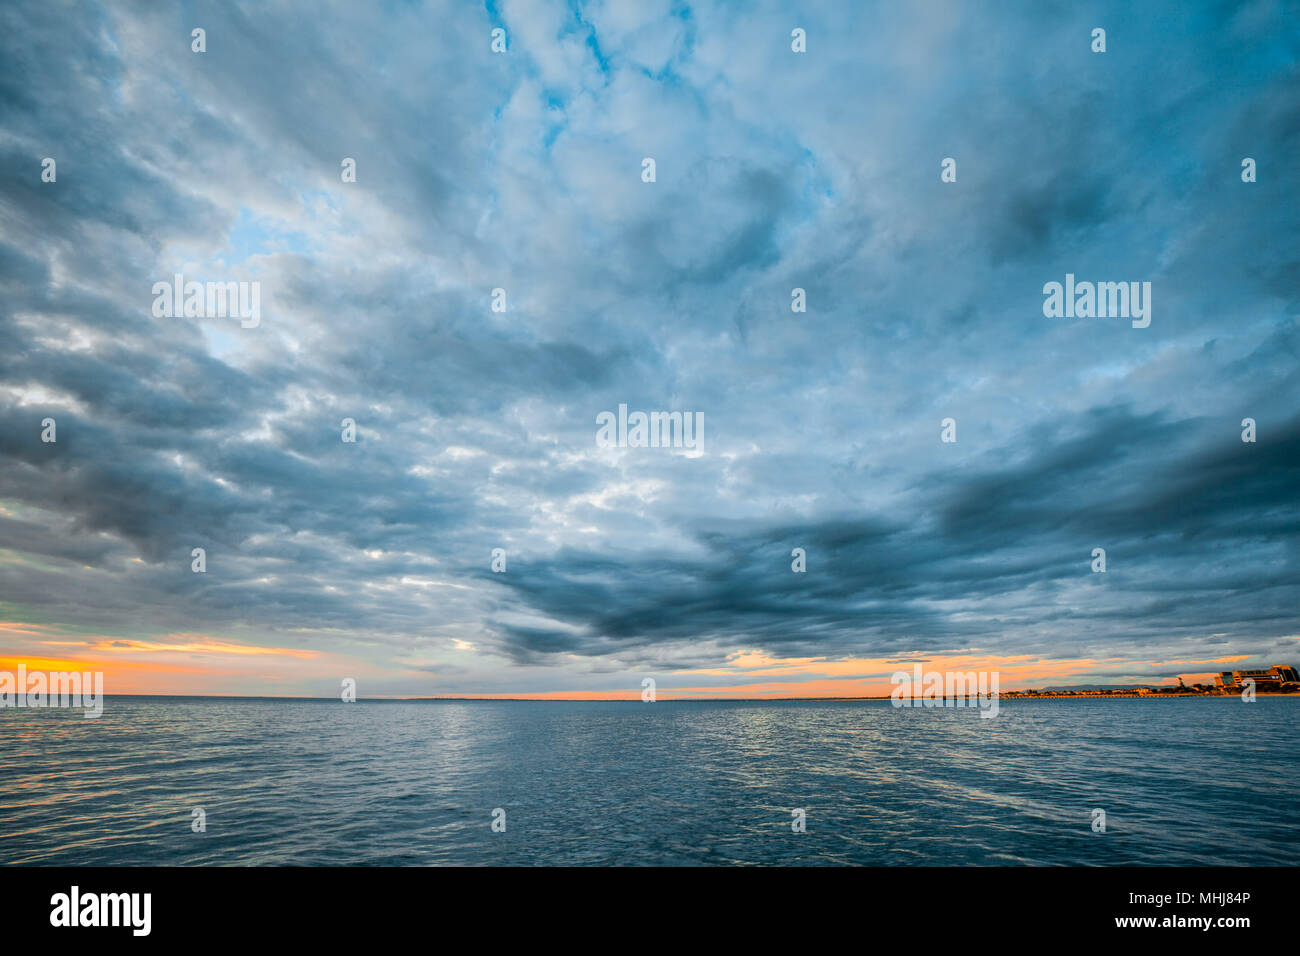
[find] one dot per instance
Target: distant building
(1275, 676)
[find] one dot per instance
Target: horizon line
(1019, 695)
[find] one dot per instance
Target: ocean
(315, 782)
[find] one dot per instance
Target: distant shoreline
(1010, 695)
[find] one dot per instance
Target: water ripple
(1187, 782)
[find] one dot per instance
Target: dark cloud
(1200, 541)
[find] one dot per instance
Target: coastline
(1009, 695)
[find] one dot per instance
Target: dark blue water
(1184, 781)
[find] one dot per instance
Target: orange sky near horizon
(197, 664)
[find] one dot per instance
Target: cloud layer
(476, 429)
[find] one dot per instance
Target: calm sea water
(314, 782)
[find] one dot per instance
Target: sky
(476, 429)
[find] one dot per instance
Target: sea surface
(305, 782)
